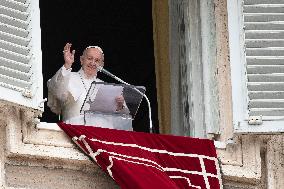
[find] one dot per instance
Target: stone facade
(39, 157)
(42, 158)
(252, 160)
(33, 157)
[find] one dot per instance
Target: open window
(123, 30)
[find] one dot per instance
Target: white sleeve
(57, 89)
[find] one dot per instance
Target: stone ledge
(41, 177)
(241, 162)
(43, 135)
(38, 157)
(23, 141)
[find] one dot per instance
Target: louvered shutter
(264, 39)
(256, 41)
(264, 53)
(20, 54)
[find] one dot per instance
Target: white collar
(82, 73)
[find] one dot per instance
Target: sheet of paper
(105, 98)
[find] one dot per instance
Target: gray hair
(95, 47)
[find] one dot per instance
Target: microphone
(101, 69)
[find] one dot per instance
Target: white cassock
(66, 94)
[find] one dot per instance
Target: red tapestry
(143, 160)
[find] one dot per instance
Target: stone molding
(37, 150)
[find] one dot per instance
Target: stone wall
(248, 161)
(42, 158)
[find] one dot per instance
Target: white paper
(105, 98)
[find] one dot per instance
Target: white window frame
(30, 98)
(238, 76)
(183, 115)
(204, 118)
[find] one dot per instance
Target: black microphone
(101, 69)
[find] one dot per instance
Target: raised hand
(68, 56)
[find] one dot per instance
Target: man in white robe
(67, 90)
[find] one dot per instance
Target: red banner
(144, 160)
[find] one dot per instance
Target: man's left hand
(119, 102)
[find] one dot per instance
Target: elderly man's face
(90, 59)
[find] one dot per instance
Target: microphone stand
(101, 69)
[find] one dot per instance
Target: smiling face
(91, 58)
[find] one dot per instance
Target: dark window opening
(122, 28)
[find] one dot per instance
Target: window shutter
(264, 39)
(20, 54)
(256, 34)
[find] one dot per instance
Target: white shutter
(20, 54)
(256, 27)
(264, 40)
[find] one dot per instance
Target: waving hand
(68, 56)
